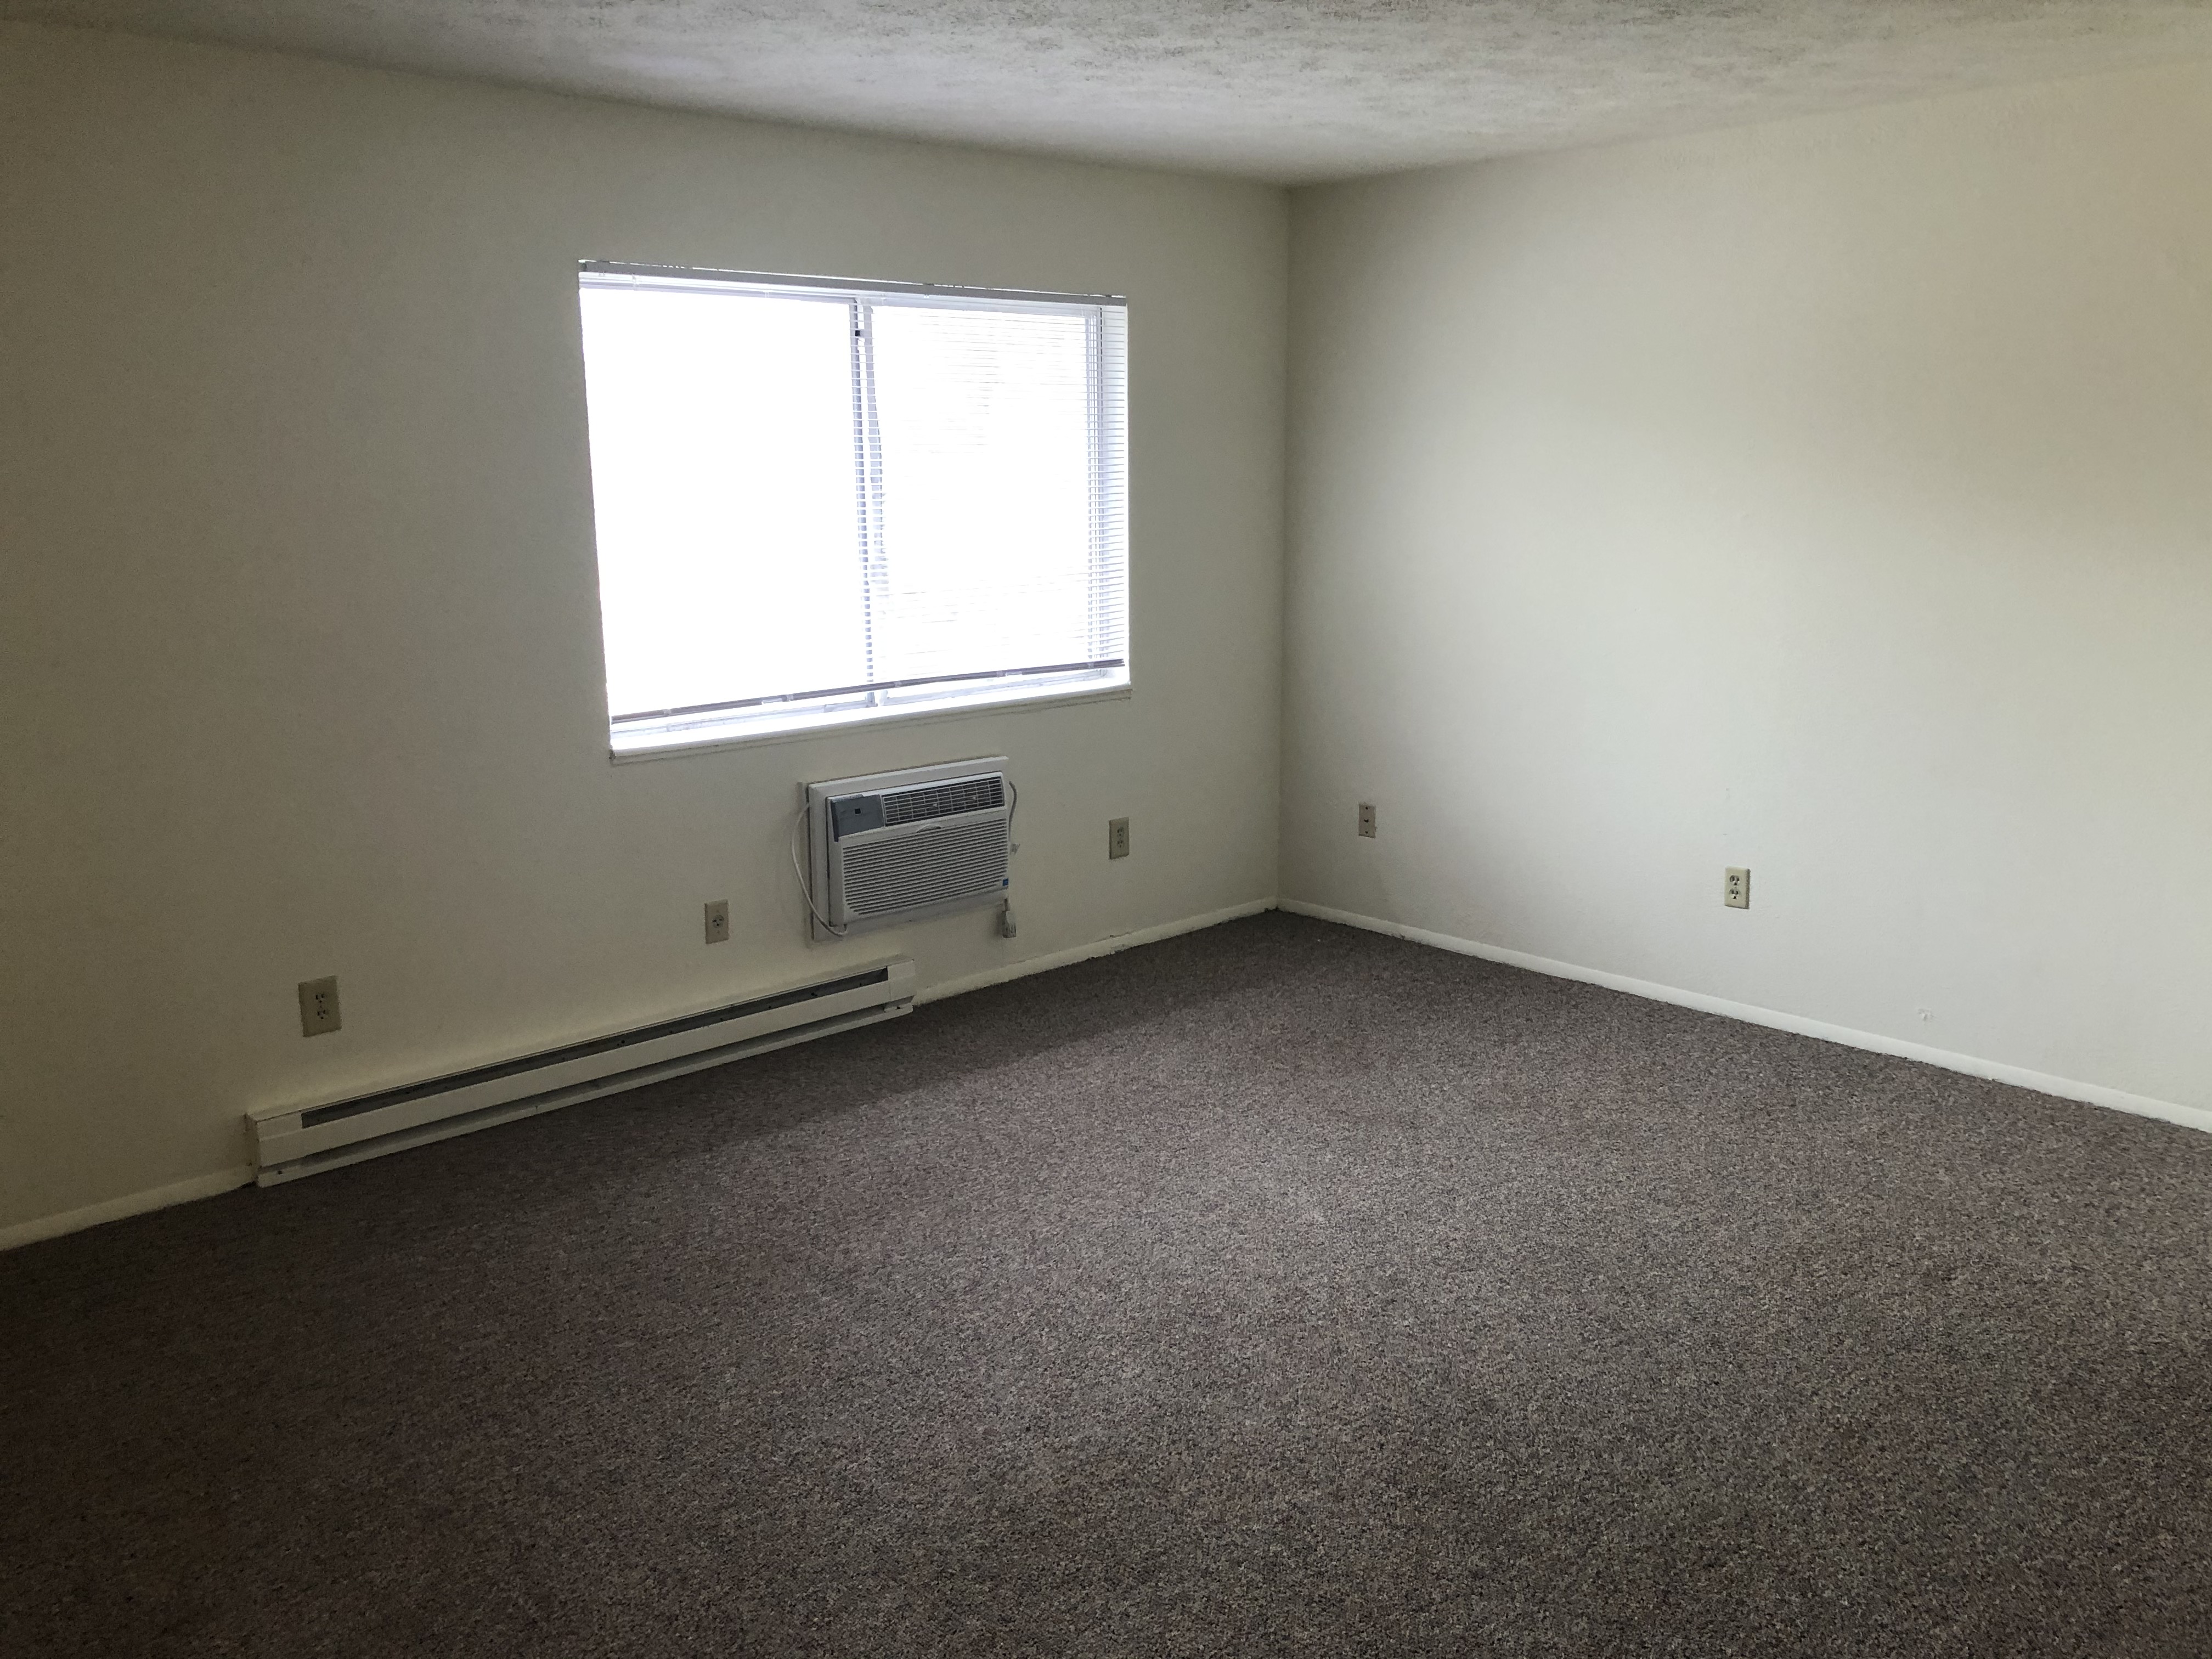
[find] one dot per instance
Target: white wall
(1832, 498)
(299, 647)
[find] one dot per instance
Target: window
(820, 502)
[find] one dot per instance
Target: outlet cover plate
(318, 1006)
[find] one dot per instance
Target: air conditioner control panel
(850, 814)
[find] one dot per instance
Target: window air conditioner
(895, 846)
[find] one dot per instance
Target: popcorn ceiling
(1291, 90)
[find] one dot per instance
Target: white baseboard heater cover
(289, 1142)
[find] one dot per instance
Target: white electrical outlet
(718, 922)
(1367, 819)
(318, 1006)
(1117, 838)
(1735, 889)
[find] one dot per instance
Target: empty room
(1163, 827)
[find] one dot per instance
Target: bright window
(820, 503)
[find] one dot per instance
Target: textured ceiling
(1283, 89)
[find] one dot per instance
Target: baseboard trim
(2091, 1094)
(208, 1186)
(1105, 947)
(116, 1209)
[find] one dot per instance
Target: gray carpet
(1280, 1289)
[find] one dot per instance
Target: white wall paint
(1833, 498)
(299, 650)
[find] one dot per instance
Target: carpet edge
(62, 1223)
(1105, 947)
(2019, 1077)
(41, 1228)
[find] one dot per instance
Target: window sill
(716, 741)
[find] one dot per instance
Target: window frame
(805, 713)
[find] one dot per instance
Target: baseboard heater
(289, 1142)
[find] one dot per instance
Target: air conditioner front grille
(912, 845)
(943, 800)
(937, 864)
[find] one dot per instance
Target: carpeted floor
(1280, 1289)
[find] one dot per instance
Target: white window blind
(821, 502)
